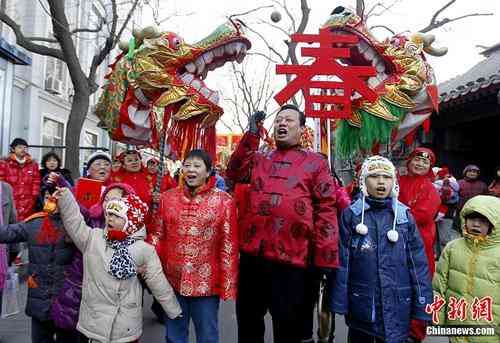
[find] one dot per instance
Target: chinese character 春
(337, 105)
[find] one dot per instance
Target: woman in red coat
(135, 175)
(198, 246)
(420, 195)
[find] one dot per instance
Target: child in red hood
(419, 194)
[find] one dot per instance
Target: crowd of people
(268, 232)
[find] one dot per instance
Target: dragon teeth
(205, 92)
(187, 78)
(214, 98)
(380, 67)
(208, 57)
(196, 84)
(218, 52)
(230, 48)
(238, 47)
(204, 74)
(200, 65)
(191, 67)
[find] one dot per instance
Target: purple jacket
(66, 305)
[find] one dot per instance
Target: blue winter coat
(380, 286)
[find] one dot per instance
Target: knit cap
(379, 165)
(132, 209)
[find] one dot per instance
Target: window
(55, 74)
(52, 135)
(89, 140)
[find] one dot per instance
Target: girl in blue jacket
(383, 281)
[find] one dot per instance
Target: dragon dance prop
(155, 94)
(377, 92)
(405, 85)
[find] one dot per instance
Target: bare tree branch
(111, 41)
(263, 55)
(27, 43)
(288, 13)
(63, 35)
(274, 26)
(292, 46)
(360, 8)
(384, 27)
(384, 8)
(42, 39)
(435, 22)
(269, 46)
(249, 11)
(94, 30)
(161, 21)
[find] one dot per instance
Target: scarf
(121, 265)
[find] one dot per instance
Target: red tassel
(48, 234)
(427, 125)
(186, 135)
(376, 149)
(410, 138)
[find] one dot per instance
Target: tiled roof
(481, 76)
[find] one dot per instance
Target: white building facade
(41, 90)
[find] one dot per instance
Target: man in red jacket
(290, 224)
(419, 194)
(20, 171)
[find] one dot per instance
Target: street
(17, 328)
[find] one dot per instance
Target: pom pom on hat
(362, 229)
(392, 235)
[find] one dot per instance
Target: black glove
(254, 121)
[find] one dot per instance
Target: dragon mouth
(195, 72)
(364, 54)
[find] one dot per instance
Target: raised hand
(255, 121)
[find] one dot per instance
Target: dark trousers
(311, 294)
(269, 286)
(355, 336)
(47, 332)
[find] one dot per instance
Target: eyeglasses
(100, 164)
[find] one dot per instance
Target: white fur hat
(378, 165)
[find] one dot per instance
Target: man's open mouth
(282, 132)
(195, 72)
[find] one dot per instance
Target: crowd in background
(287, 226)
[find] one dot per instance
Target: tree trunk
(79, 110)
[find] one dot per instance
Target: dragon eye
(176, 43)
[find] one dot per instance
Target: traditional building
(467, 128)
